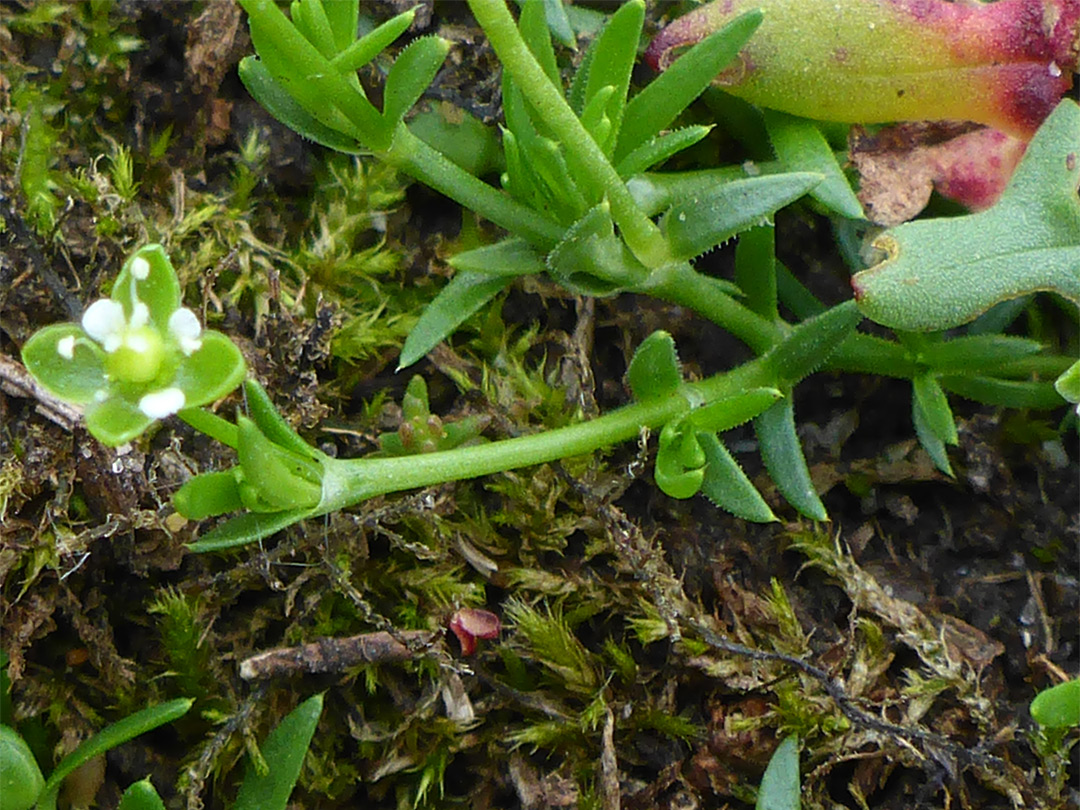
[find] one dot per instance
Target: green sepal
(209, 495)
(141, 795)
(272, 424)
(270, 94)
(363, 50)
(930, 441)
(680, 461)
(213, 370)
(654, 371)
(21, 781)
(784, 459)
(660, 148)
(612, 62)
(77, 380)
(698, 224)
(1068, 384)
(248, 528)
(727, 486)
(115, 421)
(410, 75)
(732, 411)
(283, 751)
(283, 479)
(592, 260)
(661, 102)
(934, 406)
(801, 147)
(1058, 706)
(160, 290)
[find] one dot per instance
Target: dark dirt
(941, 606)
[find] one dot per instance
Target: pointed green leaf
(784, 459)
(280, 104)
(343, 18)
(141, 796)
(1058, 706)
(1068, 384)
(537, 35)
(780, 785)
(208, 495)
(658, 149)
(700, 223)
(158, 287)
(466, 293)
(660, 103)
(612, 62)
(755, 270)
(930, 441)
(654, 371)
(801, 147)
(1003, 393)
(110, 737)
(732, 411)
(412, 74)
(592, 260)
(115, 421)
(810, 343)
(284, 751)
(941, 273)
(727, 486)
(934, 406)
(271, 423)
(559, 23)
(244, 529)
(363, 50)
(211, 371)
(972, 354)
(282, 479)
(511, 257)
(76, 380)
(309, 17)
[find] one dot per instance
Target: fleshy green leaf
(76, 380)
(466, 293)
(1003, 393)
(284, 751)
(283, 479)
(972, 354)
(727, 486)
(592, 260)
(930, 441)
(115, 421)
(1068, 384)
(511, 257)
(732, 411)
(700, 223)
(342, 19)
(108, 738)
(613, 60)
(411, 75)
(658, 149)
(780, 786)
(680, 461)
(363, 50)
(244, 529)
(655, 107)
(141, 796)
(272, 96)
(208, 495)
(799, 144)
(535, 31)
(271, 423)
(810, 343)
(941, 273)
(654, 370)
(211, 371)
(1058, 706)
(21, 781)
(784, 459)
(755, 270)
(934, 406)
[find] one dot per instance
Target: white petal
(65, 347)
(104, 322)
(185, 327)
(162, 403)
(140, 268)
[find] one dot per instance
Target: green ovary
(138, 359)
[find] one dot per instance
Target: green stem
(415, 158)
(582, 152)
(350, 481)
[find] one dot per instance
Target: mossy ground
(940, 605)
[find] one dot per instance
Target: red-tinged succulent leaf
(1003, 64)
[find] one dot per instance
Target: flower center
(138, 357)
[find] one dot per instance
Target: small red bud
(469, 624)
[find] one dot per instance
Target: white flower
(159, 404)
(66, 347)
(104, 321)
(184, 326)
(140, 268)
